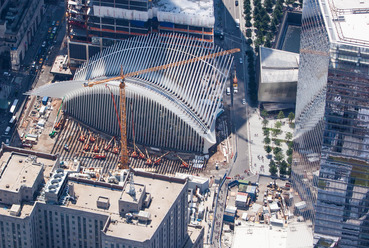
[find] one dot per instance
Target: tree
(276, 150)
(268, 149)
(275, 132)
(265, 122)
(264, 113)
(289, 136)
(268, 4)
(283, 167)
(277, 142)
(279, 156)
(248, 33)
(289, 152)
(273, 168)
(280, 115)
(267, 140)
(278, 125)
(266, 131)
(282, 170)
(291, 116)
(289, 159)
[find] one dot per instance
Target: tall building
(330, 162)
(93, 25)
(19, 21)
(43, 205)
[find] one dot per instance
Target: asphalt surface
(226, 14)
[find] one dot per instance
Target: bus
(14, 106)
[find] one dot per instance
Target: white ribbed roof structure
(172, 109)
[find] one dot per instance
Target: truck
(237, 23)
(235, 83)
(45, 99)
(14, 106)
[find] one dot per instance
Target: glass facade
(330, 168)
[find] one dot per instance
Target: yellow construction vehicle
(122, 94)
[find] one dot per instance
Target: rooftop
(18, 169)
(60, 66)
(278, 66)
(164, 191)
(347, 21)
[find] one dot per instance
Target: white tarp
(103, 11)
(194, 19)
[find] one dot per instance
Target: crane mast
(123, 124)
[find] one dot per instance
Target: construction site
(168, 121)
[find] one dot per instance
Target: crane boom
(162, 67)
(122, 94)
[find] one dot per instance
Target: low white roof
(278, 66)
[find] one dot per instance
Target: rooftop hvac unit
(55, 186)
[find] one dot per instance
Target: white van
(12, 120)
(228, 91)
(7, 130)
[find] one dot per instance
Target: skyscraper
(330, 168)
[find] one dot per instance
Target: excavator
(82, 137)
(148, 160)
(115, 148)
(108, 146)
(59, 124)
(54, 132)
(141, 155)
(158, 160)
(92, 139)
(122, 95)
(184, 164)
(96, 155)
(96, 148)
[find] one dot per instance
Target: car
(236, 3)
(50, 29)
(241, 61)
(228, 91)
(243, 101)
(51, 36)
(53, 23)
(235, 90)
(54, 30)
(43, 43)
(41, 60)
(33, 64)
(57, 23)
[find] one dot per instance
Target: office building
(93, 25)
(330, 169)
(278, 72)
(43, 205)
(19, 22)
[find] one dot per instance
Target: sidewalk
(259, 163)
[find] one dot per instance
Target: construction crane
(158, 160)
(184, 164)
(122, 94)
